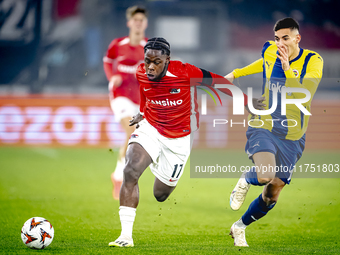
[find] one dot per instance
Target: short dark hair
(286, 23)
(131, 11)
(158, 43)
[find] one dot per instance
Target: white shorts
(169, 155)
(123, 107)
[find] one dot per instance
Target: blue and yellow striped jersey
(305, 72)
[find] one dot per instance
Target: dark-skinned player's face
(156, 64)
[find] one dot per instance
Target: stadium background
(54, 105)
(56, 51)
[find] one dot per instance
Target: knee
(131, 173)
(160, 196)
(264, 180)
(270, 200)
(272, 192)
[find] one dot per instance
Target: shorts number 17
(175, 169)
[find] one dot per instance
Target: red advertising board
(58, 120)
(88, 121)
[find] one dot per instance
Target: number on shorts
(174, 172)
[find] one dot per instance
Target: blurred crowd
(61, 43)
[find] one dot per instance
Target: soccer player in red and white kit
(168, 115)
(120, 63)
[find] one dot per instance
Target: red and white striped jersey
(170, 105)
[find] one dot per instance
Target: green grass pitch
(72, 189)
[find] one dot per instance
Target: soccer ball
(37, 233)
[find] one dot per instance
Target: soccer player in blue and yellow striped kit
(280, 141)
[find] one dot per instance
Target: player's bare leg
(137, 160)
(272, 190)
(117, 175)
(265, 202)
(259, 177)
(161, 191)
(266, 161)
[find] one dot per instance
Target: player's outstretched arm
(257, 102)
(210, 79)
(255, 67)
(230, 77)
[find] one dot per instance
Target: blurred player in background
(120, 64)
(281, 140)
(168, 115)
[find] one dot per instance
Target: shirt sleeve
(255, 67)
(218, 79)
(209, 79)
(309, 79)
(109, 58)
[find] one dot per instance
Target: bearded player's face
(156, 64)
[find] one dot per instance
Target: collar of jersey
(300, 54)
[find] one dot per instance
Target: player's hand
(258, 105)
(283, 56)
(230, 77)
(136, 119)
(115, 81)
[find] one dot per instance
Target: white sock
(127, 217)
(240, 224)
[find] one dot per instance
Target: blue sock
(256, 210)
(251, 177)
